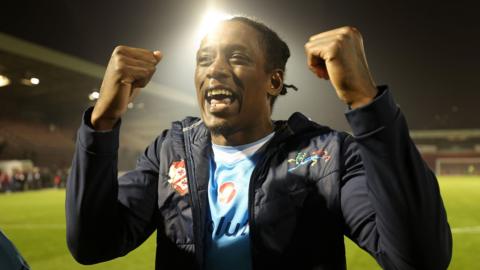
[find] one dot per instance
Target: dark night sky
(426, 51)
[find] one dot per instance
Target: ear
(276, 82)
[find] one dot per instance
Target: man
(236, 190)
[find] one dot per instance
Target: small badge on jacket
(303, 159)
(178, 177)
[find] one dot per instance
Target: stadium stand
(450, 152)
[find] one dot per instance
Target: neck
(243, 136)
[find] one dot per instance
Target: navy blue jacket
(313, 186)
(10, 258)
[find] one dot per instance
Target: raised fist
(338, 55)
(128, 70)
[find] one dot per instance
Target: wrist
(364, 97)
(101, 123)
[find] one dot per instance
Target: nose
(219, 68)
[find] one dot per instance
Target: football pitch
(35, 222)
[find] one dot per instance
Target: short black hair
(275, 49)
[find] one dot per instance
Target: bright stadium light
(34, 81)
(94, 95)
(210, 20)
(29, 80)
(4, 80)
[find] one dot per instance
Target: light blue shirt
(228, 246)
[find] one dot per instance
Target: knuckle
(119, 49)
(341, 37)
(348, 31)
(352, 31)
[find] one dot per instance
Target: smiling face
(231, 81)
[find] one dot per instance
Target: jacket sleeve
(108, 217)
(390, 199)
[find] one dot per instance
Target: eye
(239, 58)
(204, 60)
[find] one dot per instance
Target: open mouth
(216, 96)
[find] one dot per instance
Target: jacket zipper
(251, 206)
(198, 239)
(251, 197)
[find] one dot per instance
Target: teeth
(219, 92)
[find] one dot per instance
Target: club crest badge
(311, 159)
(178, 177)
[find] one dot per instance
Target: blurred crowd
(32, 179)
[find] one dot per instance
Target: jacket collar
(296, 124)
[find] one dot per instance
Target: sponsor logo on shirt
(226, 228)
(178, 177)
(226, 192)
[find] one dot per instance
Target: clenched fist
(128, 70)
(338, 55)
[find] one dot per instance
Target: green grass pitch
(35, 222)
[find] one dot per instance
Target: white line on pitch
(475, 229)
(32, 226)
